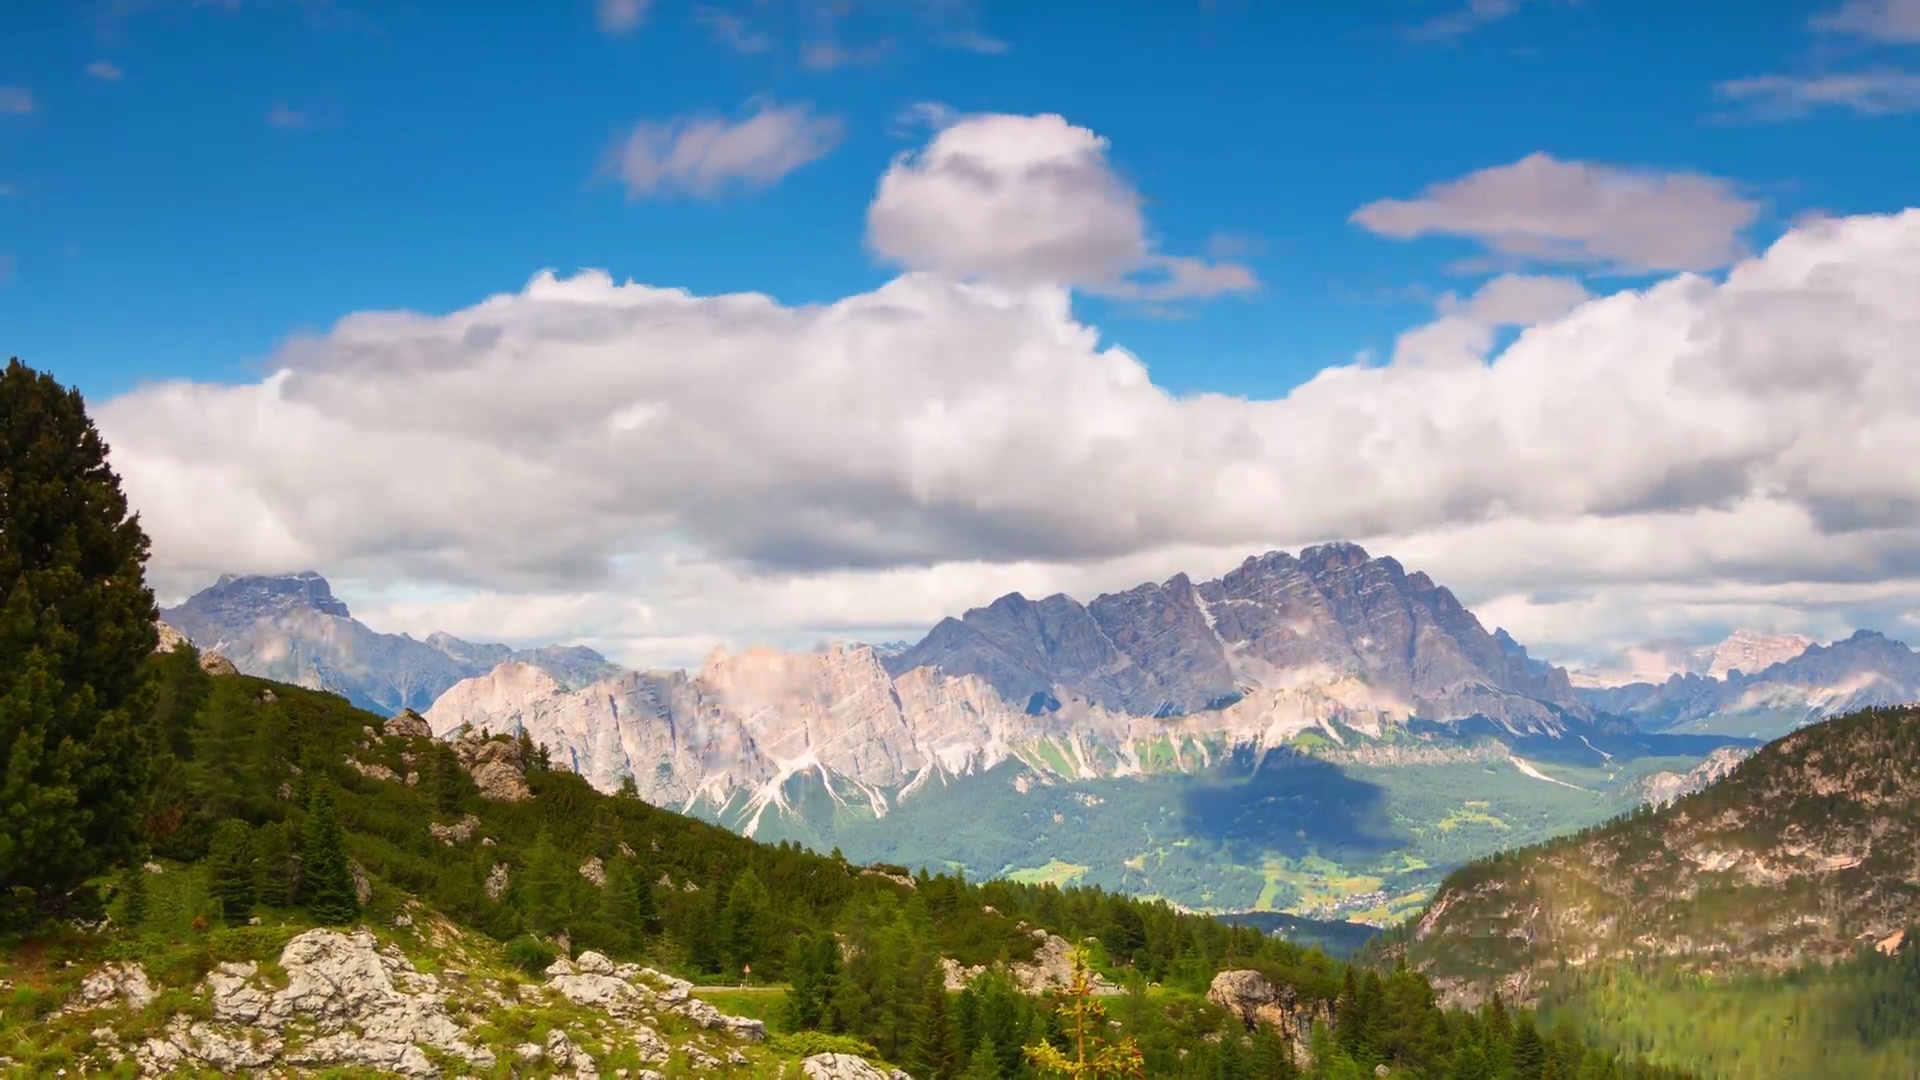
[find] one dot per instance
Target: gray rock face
(292, 628)
(1172, 649)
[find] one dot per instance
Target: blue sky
(161, 223)
(1371, 226)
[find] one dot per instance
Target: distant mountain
(292, 628)
(1271, 649)
(1655, 661)
(1866, 670)
(1334, 620)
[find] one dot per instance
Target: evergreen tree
(1529, 1051)
(629, 902)
(933, 1052)
(743, 921)
(326, 883)
(134, 902)
(1271, 1057)
(231, 870)
(985, 1062)
(76, 628)
(1347, 1027)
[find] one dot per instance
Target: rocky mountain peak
(266, 595)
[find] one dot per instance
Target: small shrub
(530, 954)
(805, 1044)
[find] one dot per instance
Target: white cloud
(704, 155)
(1519, 300)
(1885, 20)
(621, 16)
(1025, 200)
(1543, 208)
(17, 99)
(105, 70)
(1880, 91)
(651, 470)
(1462, 20)
(286, 117)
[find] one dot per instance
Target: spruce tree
(230, 867)
(326, 883)
(76, 628)
(933, 1052)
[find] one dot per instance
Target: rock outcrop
(846, 1067)
(1051, 968)
(496, 765)
(1250, 997)
(347, 1002)
(342, 1000)
(210, 662)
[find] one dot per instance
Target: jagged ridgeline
(1763, 926)
(206, 873)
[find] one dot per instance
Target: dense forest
(159, 813)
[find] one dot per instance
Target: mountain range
(1139, 740)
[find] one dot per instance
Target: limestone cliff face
(1277, 646)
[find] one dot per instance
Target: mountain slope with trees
(1764, 922)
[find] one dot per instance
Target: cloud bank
(653, 471)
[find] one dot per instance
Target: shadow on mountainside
(1279, 802)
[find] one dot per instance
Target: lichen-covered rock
(346, 1003)
(407, 724)
(113, 985)
(456, 833)
(595, 871)
(497, 880)
(846, 1067)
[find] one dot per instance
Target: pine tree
(76, 628)
(326, 883)
(933, 1052)
(231, 869)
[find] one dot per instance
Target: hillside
(1802, 857)
(506, 919)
